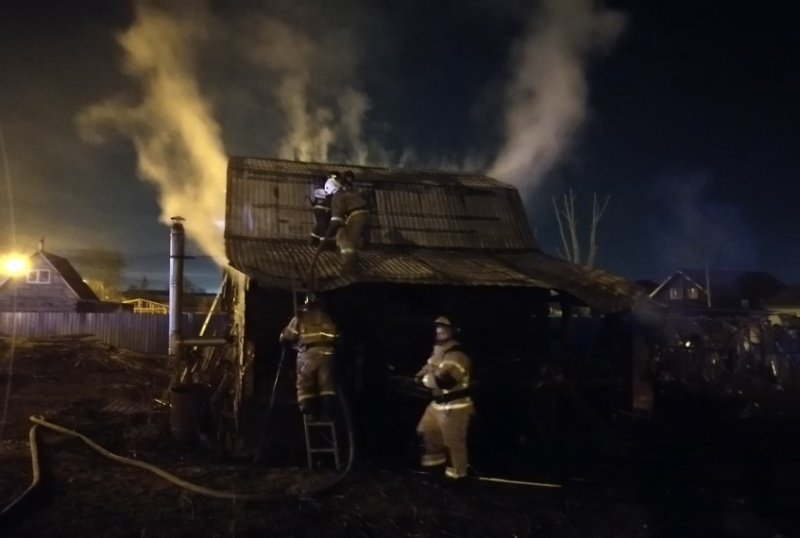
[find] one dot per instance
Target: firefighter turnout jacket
(447, 374)
(314, 333)
(313, 327)
(346, 204)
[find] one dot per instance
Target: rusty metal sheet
(267, 199)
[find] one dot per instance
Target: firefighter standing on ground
(349, 217)
(443, 427)
(314, 333)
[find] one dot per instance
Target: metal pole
(176, 255)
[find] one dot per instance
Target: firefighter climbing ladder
(321, 439)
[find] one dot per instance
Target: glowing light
(15, 264)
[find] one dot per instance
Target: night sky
(118, 115)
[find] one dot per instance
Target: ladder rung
(331, 442)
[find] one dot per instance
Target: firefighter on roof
(314, 333)
(349, 218)
(321, 208)
(444, 424)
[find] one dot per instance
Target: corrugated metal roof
(595, 287)
(267, 199)
(427, 228)
(276, 263)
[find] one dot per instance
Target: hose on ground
(201, 490)
(36, 469)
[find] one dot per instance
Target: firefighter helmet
(443, 320)
(349, 178)
(333, 184)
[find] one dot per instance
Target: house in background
(713, 290)
(50, 284)
(785, 303)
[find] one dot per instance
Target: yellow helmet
(443, 320)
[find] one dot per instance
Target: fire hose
(194, 488)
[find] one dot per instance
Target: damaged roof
(269, 199)
(427, 227)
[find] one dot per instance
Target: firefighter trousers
(315, 374)
(349, 237)
(444, 432)
(322, 220)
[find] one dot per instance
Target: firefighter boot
(329, 405)
(310, 408)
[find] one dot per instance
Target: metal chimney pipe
(177, 242)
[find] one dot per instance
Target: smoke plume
(546, 99)
(173, 129)
(176, 55)
(324, 112)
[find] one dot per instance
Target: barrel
(189, 411)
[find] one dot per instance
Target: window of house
(39, 276)
(675, 293)
(693, 293)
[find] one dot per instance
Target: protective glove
(429, 380)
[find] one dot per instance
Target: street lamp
(15, 264)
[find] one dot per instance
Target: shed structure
(438, 243)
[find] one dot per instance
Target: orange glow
(15, 264)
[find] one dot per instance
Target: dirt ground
(108, 395)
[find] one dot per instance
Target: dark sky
(684, 115)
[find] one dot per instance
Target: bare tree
(568, 228)
(572, 251)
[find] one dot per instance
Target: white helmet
(332, 185)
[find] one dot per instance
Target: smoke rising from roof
(173, 128)
(324, 113)
(288, 76)
(546, 99)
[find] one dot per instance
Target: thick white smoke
(546, 99)
(173, 127)
(294, 77)
(176, 137)
(324, 112)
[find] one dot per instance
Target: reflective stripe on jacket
(313, 327)
(448, 358)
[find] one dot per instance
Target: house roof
(788, 297)
(267, 199)
(728, 288)
(427, 228)
(70, 275)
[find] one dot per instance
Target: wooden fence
(142, 333)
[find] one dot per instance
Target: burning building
(438, 243)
